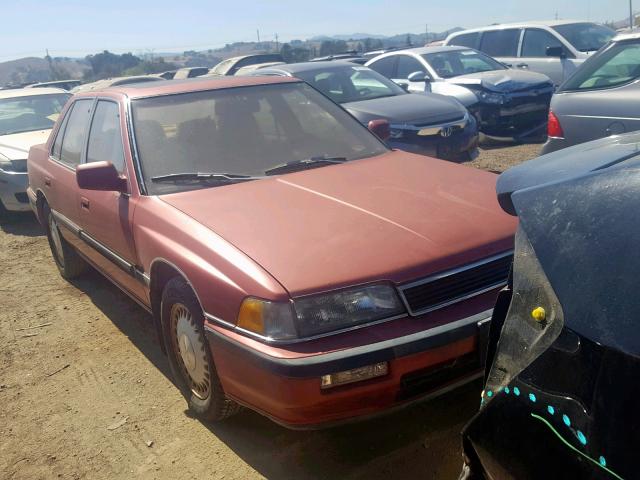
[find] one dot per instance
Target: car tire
(69, 263)
(189, 355)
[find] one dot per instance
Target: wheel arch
(41, 200)
(160, 273)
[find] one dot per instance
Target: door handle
(84, 203)
(47, 182)
(522, 65)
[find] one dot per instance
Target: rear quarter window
(466, 40)
(385, 66)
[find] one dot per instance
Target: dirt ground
(85, 392)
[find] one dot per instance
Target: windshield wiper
(203, 176)
(311, 162)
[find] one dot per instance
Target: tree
(285, 51)
(107, 64)
(408, 41)
(149, 66)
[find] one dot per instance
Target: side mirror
(555, 52)
(381, 128)
(100, 176)
(418, 77)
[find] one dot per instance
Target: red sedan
(292, 263)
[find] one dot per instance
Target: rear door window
(501, 43)
(74, 133)
(466, 40)
(57, 145)
(407, 65)
(536, 41)
(385, 66)
(105, 136)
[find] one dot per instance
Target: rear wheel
(189, 356)
(69, 263)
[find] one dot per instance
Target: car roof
(29, 92)
(156, 89)
(294, 68)
(423, 50)
(533, 23)
(634, 35)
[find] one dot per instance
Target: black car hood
(566, 164)
(570, 412)
(503, 81)
(410, 108)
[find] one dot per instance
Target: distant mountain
(353, 36)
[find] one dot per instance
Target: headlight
(271, 320)
(488, 97)
(5, 164)
(534, 320)
(324, 313)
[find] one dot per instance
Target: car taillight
(554, 129)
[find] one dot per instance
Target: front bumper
(518, 119)
(13, 191)
(284, 383)
(455, 145)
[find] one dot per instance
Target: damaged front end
(513, 115)
(561, 389)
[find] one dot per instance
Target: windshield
(585, 37)
(242, 131)
(350, 83)
(461, 62)
(614, 66)
(30, 113)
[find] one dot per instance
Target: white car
(507, 103)
(555, 48)
(26, 119)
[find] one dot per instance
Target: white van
(554, 48)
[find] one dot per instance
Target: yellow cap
(251, 315)
(539, 314)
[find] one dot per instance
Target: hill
(35, 69)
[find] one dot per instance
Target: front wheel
(69, 263)
(189, 356)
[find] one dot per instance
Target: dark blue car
(428, 124)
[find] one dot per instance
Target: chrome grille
(447, 288)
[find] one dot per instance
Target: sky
(76, 28)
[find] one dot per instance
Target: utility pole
(258, 32)
(556, 14)
(426, 33)
(630, 14)
(277, 46)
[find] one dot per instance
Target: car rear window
(617, 65)
(500, 43)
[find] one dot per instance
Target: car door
(60, 186)
(534, 57)
(405, 66)
(106, 217)
(502, 45)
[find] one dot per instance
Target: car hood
(16, 146)
(393, 217)
(410, 108)
(502, 81)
